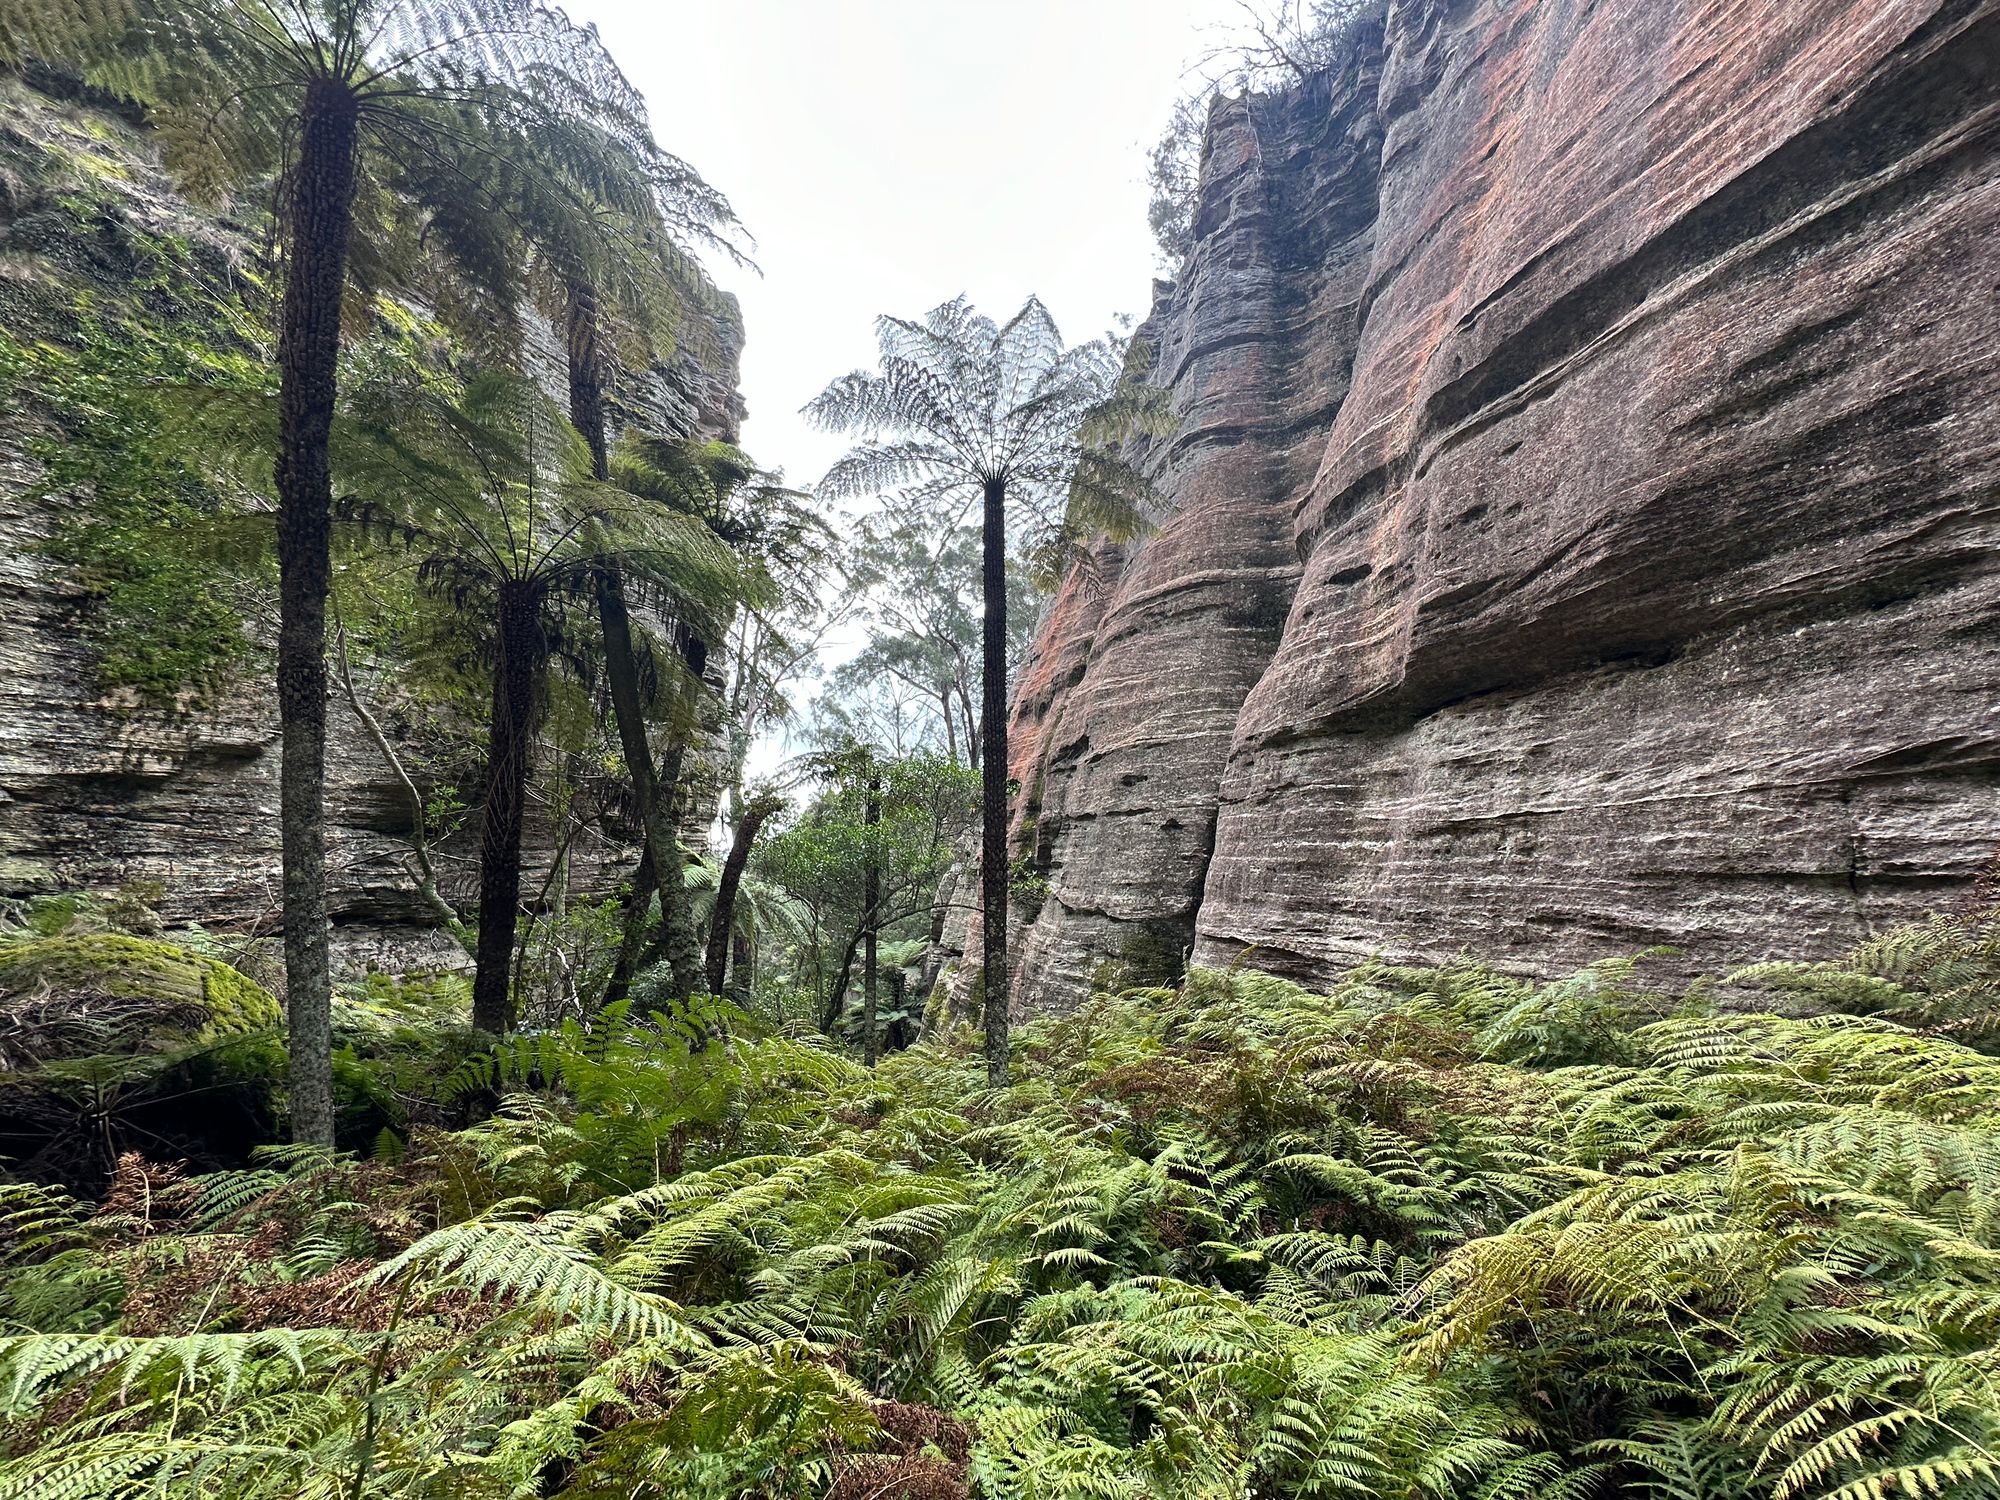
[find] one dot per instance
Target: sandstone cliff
(1580, 534)
(100, 787)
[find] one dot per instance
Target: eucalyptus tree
(826, 859)
(964, 411)
(359, 110)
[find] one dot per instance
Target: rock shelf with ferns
(1437, 1233)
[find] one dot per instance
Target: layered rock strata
(1580, 537)
(100, 789)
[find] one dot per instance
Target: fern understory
(1437, 1233)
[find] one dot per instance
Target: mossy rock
(103, 992)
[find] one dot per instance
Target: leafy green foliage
(1437, 1233)
(1938, 976)
(959, 402)
(1274, 44)
(927, 804)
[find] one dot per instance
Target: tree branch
(424, 875)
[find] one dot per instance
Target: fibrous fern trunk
(723, 921)
(582, 344)
(523, 654)
(871, 900)
(321, 219)
(993, 781)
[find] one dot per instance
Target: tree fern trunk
(652, 794)
(510, 743)
(993, 782)
(321, 212)
(724, 919)
(871, 900)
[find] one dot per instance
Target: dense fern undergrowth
(1437, 1233)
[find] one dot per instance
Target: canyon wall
(101, 787)
(1580, 535)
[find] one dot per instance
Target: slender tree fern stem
(871, 901)
(582, 345)
(516, 679)
(993, 782)
(322, 217)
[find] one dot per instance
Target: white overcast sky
(889, 154)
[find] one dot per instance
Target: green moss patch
(68, 996)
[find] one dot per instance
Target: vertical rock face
(101, 788)
(1581, 534)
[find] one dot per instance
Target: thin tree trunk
(555, 905)
(836, 1000)
(950, 727)
(322, 219)
(941, 906)
(971, 729)
(993, 782)
(680, 943)
(653, 793)
(516, 681)
(720, 924)
(422, 870)
(871, 900)
(632, 942)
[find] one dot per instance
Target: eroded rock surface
(100, 788)
(1581, 535)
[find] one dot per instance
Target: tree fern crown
(959, 403)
